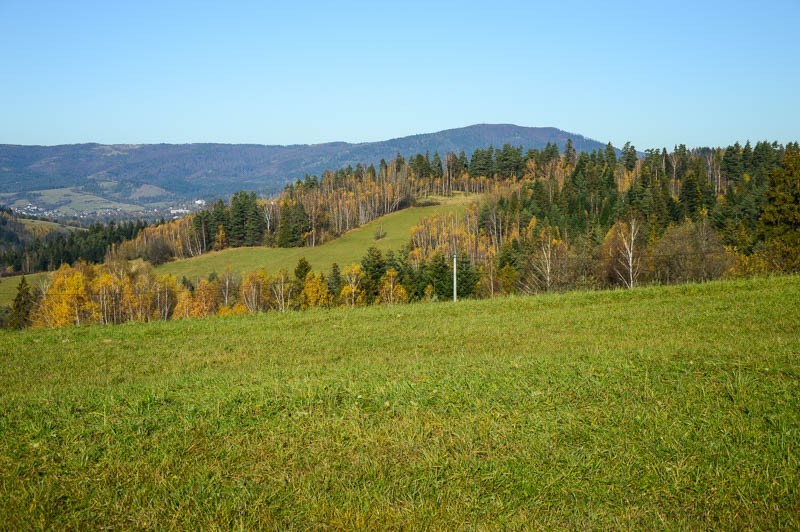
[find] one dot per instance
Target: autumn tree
(391, 292)
(229, 284)
(489, 280)
(158, 251)
(352, 293)
(183, 304)
(546, 260)
(281, 290)
(315, 292)
(689, 252)
(206, 299)
(108, 290)
(137, 296)
(508, 278)
(254, 291)
(622, 252)
(165, 296)
(67, 300)
(220, 238)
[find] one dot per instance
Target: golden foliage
(315, 292)
(205, 300)
(351, 293)
(391, 292)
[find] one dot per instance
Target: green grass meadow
(8, 285)
(661, 407)
(44, 227)
(72, 201)
(344, 251)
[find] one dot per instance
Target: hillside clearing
(348, 249)
(72, 201)
(41, 228)
(8, 285)
(345, 250)
(677, 406)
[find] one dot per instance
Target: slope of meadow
(396, 228)
(8, 285)
(675, 407)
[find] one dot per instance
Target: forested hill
(139, 172)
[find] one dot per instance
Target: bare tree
(281, 287)
(628, 260)
(269, 211)
(229, 285)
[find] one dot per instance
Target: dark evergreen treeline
(728, 186)
(57, 248)
(10, 230)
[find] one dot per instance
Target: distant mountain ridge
(147, 173)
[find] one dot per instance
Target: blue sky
(656, 74)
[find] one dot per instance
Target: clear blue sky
(657, 74)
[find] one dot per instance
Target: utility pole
(455, 281)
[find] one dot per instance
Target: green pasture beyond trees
(674, 407)
(395, 229)
(8, 285)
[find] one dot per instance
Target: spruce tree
(731, 165)
(238, 220)
(439, 275)
(254, 226)
(629, 156)
(301, 272)
(436, 166)
(302, 269)
(20, 316)
(293, 225)
(335, 280)
(220, 216)
(374, 268)
(467, 277)
(463, 163)
(780, 216)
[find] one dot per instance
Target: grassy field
(344, 251)
(40, 228)
(8, 285)
(71, 201)
(664, 407)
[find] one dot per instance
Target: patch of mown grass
(673, 407)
